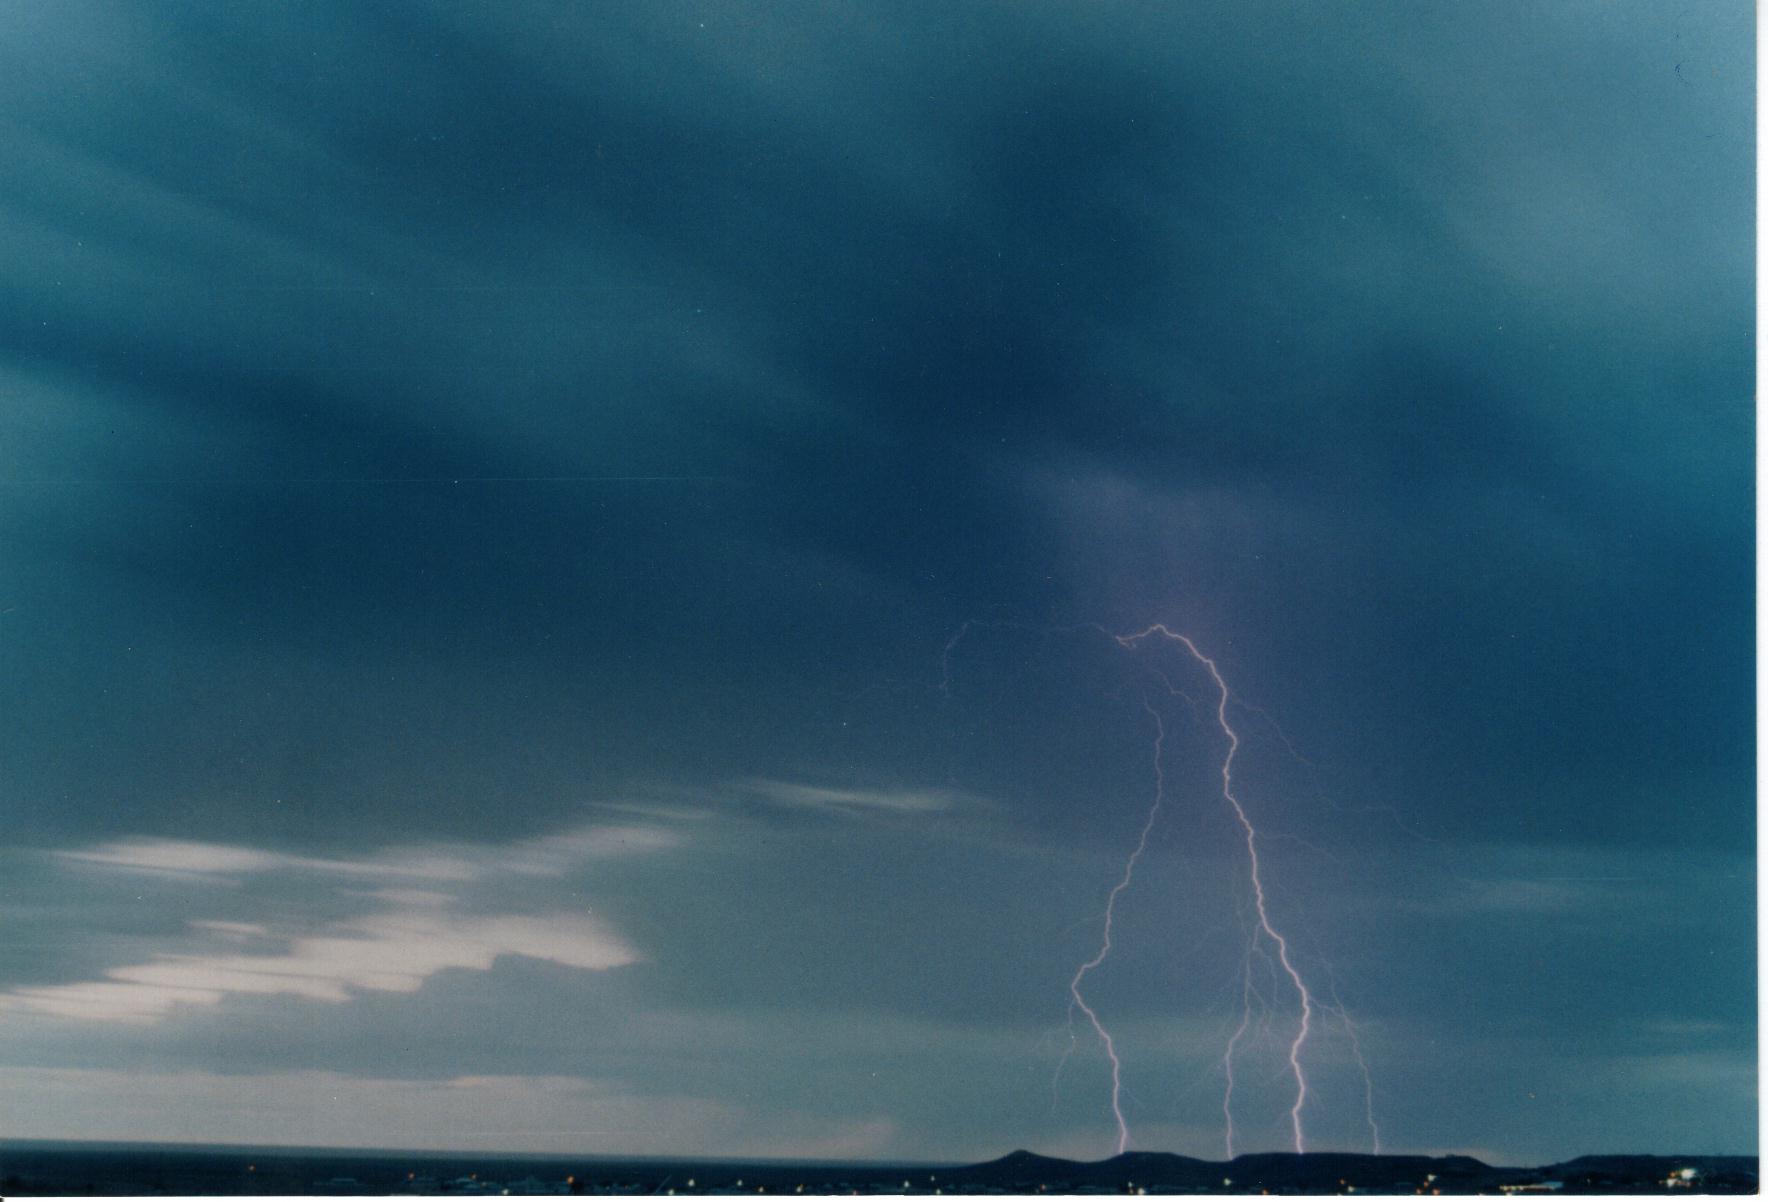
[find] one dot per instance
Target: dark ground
(35, 1168)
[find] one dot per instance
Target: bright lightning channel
(1129, 870)
(1265, 926)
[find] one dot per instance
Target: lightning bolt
(1350, 1029)
(1233, 1043)
(1130, 642)
(1129, 871)
(1264, 932)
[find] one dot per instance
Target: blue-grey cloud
(421, 427)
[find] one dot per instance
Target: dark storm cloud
(870, 274)
(423, 419)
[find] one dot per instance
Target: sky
(558, 565)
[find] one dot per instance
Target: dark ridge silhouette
(28, 1168)
(1599, 1174)
(1286, 1172)
(1342, 1172)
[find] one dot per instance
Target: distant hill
(1713, 1173)
(1337, 1172)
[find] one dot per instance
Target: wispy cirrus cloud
(391, 952)
(546, 856)
(857, 801)
(389, 920)
(463, 917)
